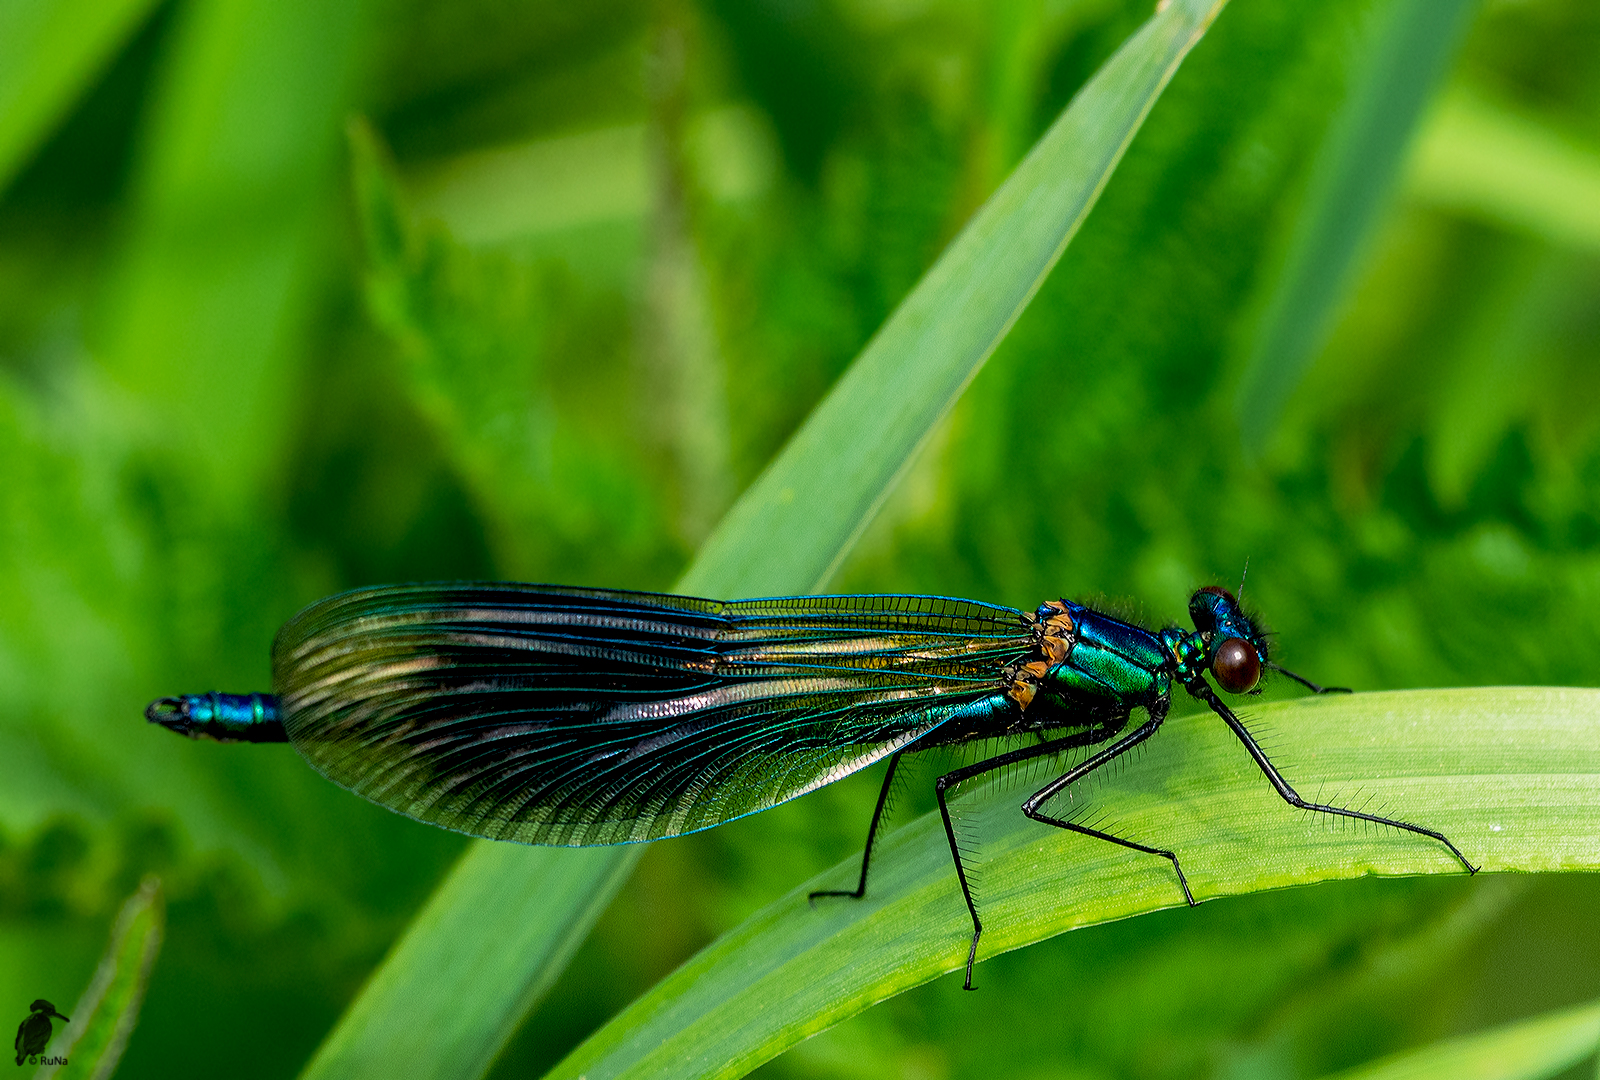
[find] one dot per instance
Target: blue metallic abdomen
(223, 717)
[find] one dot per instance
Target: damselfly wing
(580, 716)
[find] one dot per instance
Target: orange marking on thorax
(1058, 633)
(1055, 635)
(1022, 681)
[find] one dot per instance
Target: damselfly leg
(1054, 746)
(872, 833)
(1201, 690)
(1158, 713)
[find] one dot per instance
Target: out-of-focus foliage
(1528, 1050)
(629, 246)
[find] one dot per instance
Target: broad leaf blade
(786, 535)
(1512, 775)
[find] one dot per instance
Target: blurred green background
(296, 297)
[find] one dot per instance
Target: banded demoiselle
(552, 715)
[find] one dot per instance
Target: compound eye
(1236, 666)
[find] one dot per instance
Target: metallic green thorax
(1111, 659)
(1188, 653)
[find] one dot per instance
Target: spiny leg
(950, 779)
(1200, 689)
(1158, 713)
(872, 832)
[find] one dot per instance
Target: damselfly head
(1235, 647)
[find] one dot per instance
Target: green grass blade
(100, 1023)
(783, 537)
(541, 903)
(842, 463)
(1512, 775)
(1350, 188)
(1481, 158)
(50, 52)
(1529, 1050)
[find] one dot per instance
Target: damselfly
(551, 715)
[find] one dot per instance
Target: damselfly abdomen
(551, 715)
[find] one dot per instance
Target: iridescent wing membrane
(567, 716)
